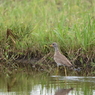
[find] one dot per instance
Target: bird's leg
(57, 71)
(65, 71)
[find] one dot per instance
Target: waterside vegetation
(28, 27)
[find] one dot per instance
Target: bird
(59, 58)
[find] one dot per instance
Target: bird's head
(54, 45)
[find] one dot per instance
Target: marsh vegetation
(28, 27)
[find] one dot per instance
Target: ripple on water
(75, 78)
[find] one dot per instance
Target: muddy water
(43, 84)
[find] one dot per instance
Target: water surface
(44, 84)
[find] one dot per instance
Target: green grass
(71, 23)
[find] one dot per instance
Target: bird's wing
(62, 59)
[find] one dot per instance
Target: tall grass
(71, 23)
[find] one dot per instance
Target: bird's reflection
(63, 91)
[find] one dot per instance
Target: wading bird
(59, 58)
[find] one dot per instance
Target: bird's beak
(51, 45)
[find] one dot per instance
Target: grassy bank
(37, 23)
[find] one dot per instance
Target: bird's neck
(56, 49)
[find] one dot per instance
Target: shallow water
(43, 84)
